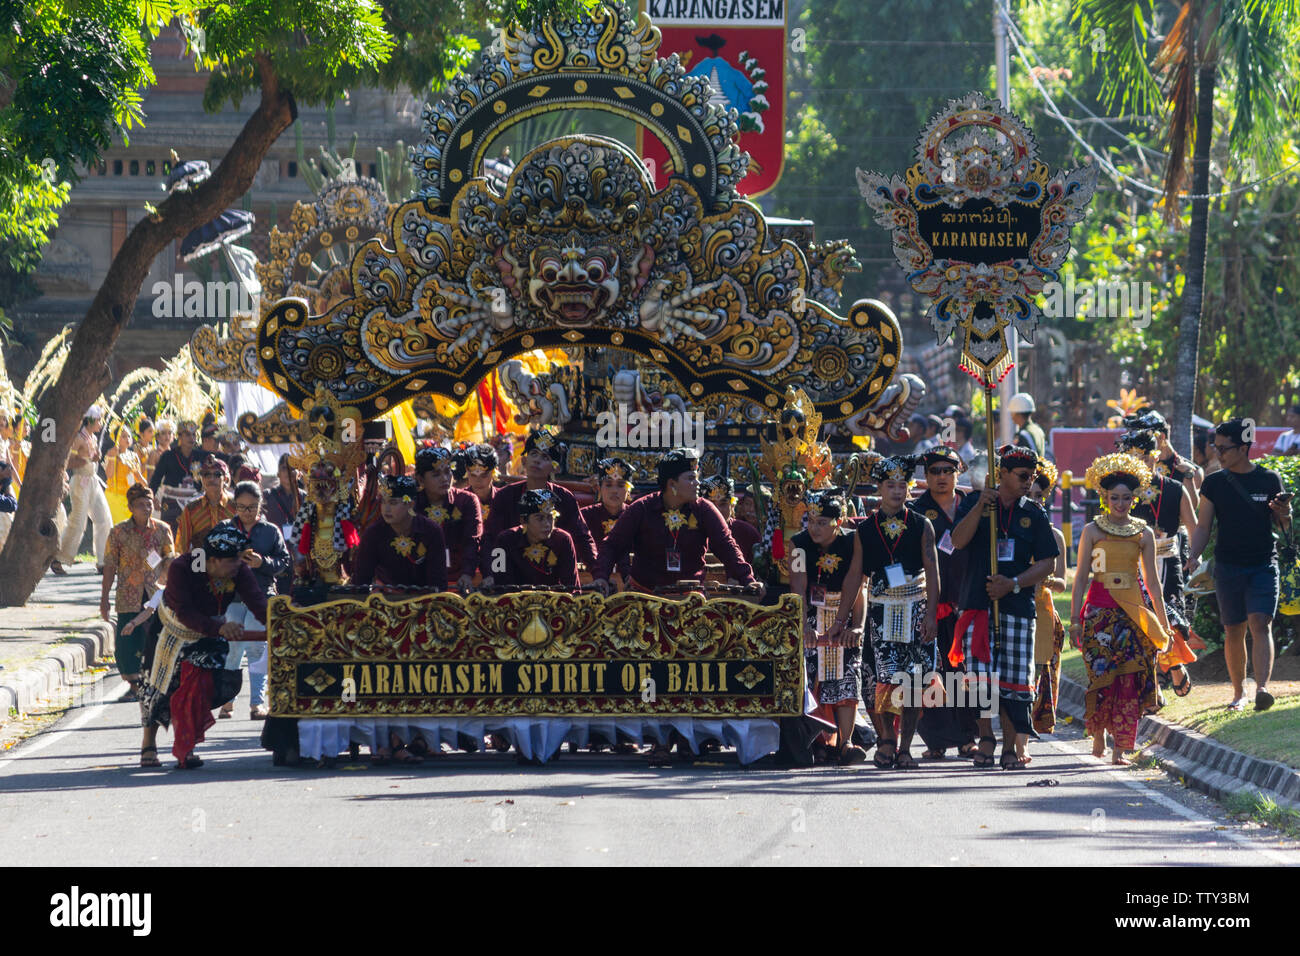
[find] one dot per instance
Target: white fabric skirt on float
(536, 737)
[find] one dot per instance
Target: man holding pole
(1000, 645)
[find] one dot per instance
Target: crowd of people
(907, 596)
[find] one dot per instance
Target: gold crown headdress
(1118, 463)
(336, 435)
(1046, 470)
(796, 446)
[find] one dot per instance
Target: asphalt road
(74, 796)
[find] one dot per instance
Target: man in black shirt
(1027, 553)
(1247, 500)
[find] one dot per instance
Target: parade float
(678, 299)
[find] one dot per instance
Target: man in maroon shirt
(668, 533)
(722, 492)
(456, 512)
(542, 453)
(538, 553)
(613, 485)
(404, 548)
(475, 469)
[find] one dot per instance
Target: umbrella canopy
(210, 237)
(187, 175)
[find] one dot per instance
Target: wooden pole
(993, 513)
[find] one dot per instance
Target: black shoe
(1263, 700)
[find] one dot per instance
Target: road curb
(57, 670)
(1199, 761)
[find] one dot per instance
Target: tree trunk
(1189, 326)
(33, 539)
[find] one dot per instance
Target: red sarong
(191, 708)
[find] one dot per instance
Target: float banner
(536, 654)
(740, 46)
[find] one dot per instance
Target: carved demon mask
(573, 285)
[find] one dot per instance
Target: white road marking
(1187, 813)
(46, 739)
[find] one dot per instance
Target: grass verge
(1253, 805)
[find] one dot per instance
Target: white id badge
(1006, 549)
(818, 597)
(945, 543)
(152, 559)
(894, 575)
(287, 531)
(674, 559)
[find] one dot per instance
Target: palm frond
(1124, 26)
(1176, 65)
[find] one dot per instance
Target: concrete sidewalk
(1200, 761)
(47, 643)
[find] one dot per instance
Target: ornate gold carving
(709, 638)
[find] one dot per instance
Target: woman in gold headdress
(1119, 636)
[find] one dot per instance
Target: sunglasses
(251, 509)
(211, 474)
(941, 471)
(1222, 448)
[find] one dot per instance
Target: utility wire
(1055, 111)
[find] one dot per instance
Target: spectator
(88, 501)
(1203, 455)
(1288, 443)
(1028, 434)
(963, 430)
(1248, 500)
(8, 503)
(267, 557)
(933, 430)
(137, 555)
(173, 476)
(164, 432)
(280, 506)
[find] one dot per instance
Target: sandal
(149, 762)
(931, 753)
(981, 760)
(660, 756)
(881, 761)
(903, 760)
(399, 748)
(1015, 763)
(850, 755)
(1183, 689)
(189, 763)
(968, 750)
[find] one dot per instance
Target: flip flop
(1185, 688)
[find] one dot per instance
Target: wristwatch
(1016, 582)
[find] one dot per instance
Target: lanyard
(1005, 529)
(884, 540)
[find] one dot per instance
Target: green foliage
(69, 82)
